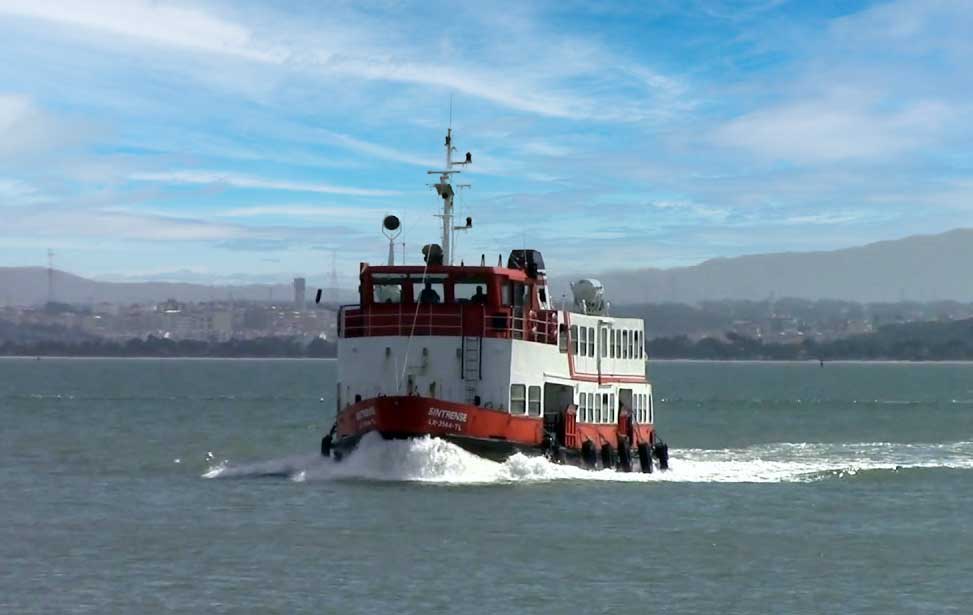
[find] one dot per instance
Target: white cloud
(533, 70)
(246, 181)
(305, 211)
(152, 22)
(25, 129)
(836, 129)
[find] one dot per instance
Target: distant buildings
(300, 287)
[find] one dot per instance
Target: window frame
(522, 399)
(531, 389)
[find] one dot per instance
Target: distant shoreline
(813, 362)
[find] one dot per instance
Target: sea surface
(193, 486)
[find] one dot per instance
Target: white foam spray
(437, 461)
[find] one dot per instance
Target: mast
(445, 190)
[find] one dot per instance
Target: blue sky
(236, 141)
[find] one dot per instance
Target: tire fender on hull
(589, 455)
(624, 454)
(645, 457)
(608, 458)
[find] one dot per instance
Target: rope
(412, 330)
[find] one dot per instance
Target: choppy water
(193, 486)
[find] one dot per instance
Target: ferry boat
(479, 355)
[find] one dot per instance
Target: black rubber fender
(589, 454)
(624, 454)
(608, 458)
(661, 452)
(645, 457)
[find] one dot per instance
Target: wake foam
(432, 460)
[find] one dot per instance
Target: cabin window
(631, 344)
(611, 343)
(597, 408)
(625, 344)
(618, 344)
(562, 338)
(591, 341)
(518, 399)
(387, 292)
(583, 333)
(507, 294)
(638, 345)
(651, 410)
(603, 341)
(470, 291)
(637, 401)
(574, 340)
(611, 404)
(534, 400)
(519, 295)
(428, 291)
(582, 408)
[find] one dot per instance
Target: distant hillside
(917, 268)
(28, 286)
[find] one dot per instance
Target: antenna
(450, 110)
(445, 190)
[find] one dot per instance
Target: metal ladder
(471, 366)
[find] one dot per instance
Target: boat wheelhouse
(480, 356)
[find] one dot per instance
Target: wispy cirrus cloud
(246, 181)
(702, 129)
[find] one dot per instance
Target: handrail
(504, 323)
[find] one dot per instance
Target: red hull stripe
(418, 416)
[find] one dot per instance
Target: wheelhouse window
(638, 345)
(582, 408)
(534, 400)
(618, 344)
(387, 290)
(519, 295)
(603, 341)
(470, 291)
(562, 338)
(625, 344)
(574, 340)
(614, 408)
(583, 334)
(631, 344)
(428, 292)
(518, 399)
(506, 292)
(591, 341)
(651, 410)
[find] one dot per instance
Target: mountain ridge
(926, 267)
(918, 267)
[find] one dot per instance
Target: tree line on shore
(162, 347)
(915, 341)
